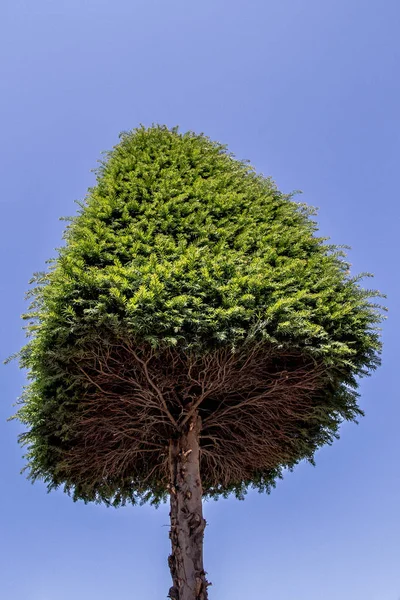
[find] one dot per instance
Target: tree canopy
(188, 282)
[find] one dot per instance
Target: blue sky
(309, 91)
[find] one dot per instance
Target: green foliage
(181, 244)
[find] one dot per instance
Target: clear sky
(309, 91)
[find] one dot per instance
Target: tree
(192, 338)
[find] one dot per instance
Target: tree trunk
(187, 522)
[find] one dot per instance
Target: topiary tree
(193, 338)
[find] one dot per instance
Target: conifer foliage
(192, 338)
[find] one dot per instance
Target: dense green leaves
(181, 244)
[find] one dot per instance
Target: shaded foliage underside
(261, 409)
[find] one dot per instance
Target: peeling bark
(187, 522)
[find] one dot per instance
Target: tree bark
(187, 522)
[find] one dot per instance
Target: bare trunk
(187, 522)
